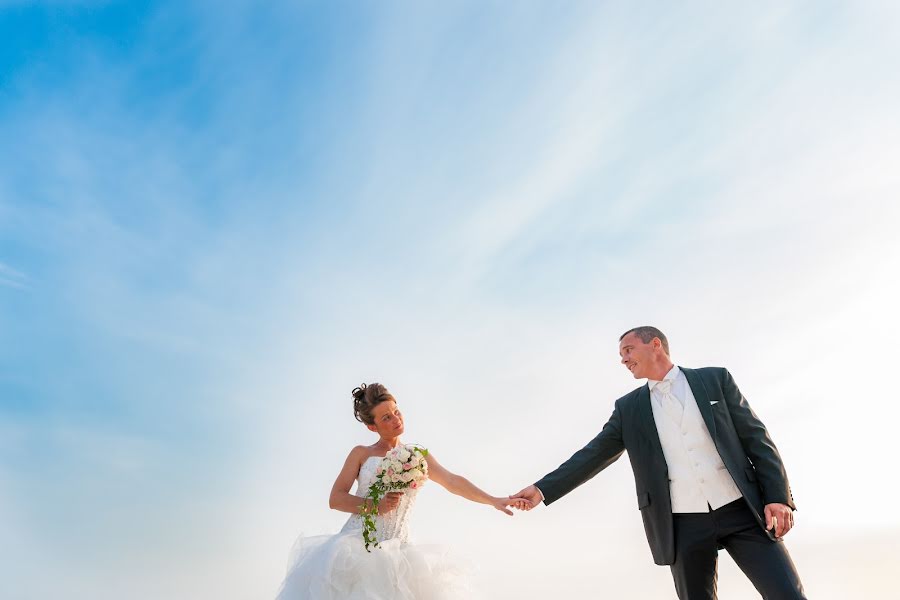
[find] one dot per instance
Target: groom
(708, 475)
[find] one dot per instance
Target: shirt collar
(672, 375)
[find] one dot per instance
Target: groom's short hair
(646, 333)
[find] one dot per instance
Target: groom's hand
(531, 494)
(502, 503)
(779, 519)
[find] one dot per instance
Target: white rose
(404, 455)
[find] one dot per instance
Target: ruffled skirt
(337, 567)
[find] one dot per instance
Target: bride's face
(388, 420)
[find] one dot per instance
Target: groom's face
(637, 356)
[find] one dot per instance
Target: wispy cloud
(10, 277)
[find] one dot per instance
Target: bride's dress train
(337, 567)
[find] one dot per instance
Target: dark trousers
(698, 538)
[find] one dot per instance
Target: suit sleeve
(758, 445)
(600, 452)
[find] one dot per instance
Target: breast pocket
(720, 410)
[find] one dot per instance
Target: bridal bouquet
(401, 468)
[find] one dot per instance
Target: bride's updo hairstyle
(366, 398)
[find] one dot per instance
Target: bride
(339, 567)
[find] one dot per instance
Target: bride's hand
(520, 503)
(502, 503)
(390, 502)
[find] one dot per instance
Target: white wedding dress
(337, 567)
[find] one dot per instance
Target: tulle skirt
(337, 567)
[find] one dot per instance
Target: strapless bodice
(393, 525)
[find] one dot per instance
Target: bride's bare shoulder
(358, 454)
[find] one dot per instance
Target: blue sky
(216, 220)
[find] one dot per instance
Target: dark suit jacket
(740, 437)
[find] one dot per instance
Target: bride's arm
(459, 485)
(341, 499)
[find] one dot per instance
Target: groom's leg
(766, 563)
(696, 553)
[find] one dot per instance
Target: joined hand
(518, 503)
(531, 495)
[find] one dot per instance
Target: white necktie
(668, 400)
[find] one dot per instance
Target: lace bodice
(393, 525)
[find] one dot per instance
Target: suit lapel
(702, 399)
(648, 423)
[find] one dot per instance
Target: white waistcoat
(698, 479)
